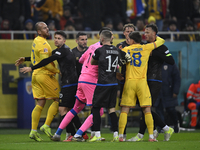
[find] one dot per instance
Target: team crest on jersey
(45, 50)
(77, 58)
(61, 96)
(165, 67)
(29, 87)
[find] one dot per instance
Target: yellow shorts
(45, 86)
(134, 89)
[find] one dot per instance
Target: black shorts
(154, 88)
(67, 96)
(105, 96)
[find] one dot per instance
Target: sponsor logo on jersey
(45, 50)
(61, 96)
(58, 53)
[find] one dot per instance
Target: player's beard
(82, 47)
(47, 35)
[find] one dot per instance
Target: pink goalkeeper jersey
(85, 59)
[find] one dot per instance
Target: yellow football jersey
(137, 68)
(40, 50)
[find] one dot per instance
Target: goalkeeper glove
(125, 59)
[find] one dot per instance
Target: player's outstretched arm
(46, 62)
(39, 65)
(159, 41)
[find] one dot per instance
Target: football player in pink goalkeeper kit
(86, 86)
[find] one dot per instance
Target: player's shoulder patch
(58, 53)
(167, 51)
(45, 50)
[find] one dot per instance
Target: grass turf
(17, 139)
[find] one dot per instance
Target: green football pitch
(17, 139)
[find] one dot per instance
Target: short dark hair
(37, 25)
(129, 25)
(107, 34)
(62, 33)
(136, 36)
(104, 28)
(80, 34)
(153, 27)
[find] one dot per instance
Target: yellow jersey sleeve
(125, 49)
(159, 41)
(149, 46)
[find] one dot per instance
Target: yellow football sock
(52, 111)
(36, 116)
(149, 122)
(122, 122)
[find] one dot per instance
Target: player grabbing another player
(136, 82)
(86, 85)
(44, 84)
(127, 29)
(69, 79)
(106, 58)
(154, 79)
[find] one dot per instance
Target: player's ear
(39, 32)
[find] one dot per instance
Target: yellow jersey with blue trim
(41, 50)
(137, 67)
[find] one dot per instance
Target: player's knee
(146, 110)
(111, 110)
(57, 100)
(62, 111)
(125, 109)
(191, 106)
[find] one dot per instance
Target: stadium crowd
(90, 15)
